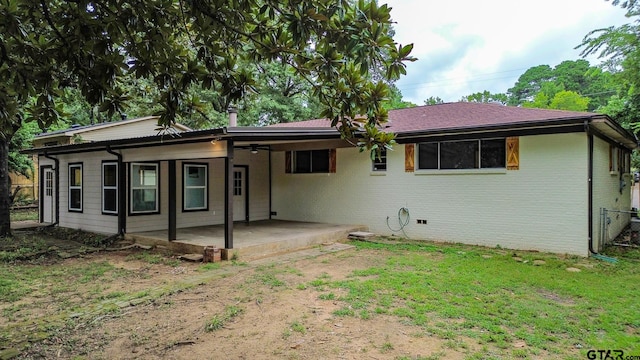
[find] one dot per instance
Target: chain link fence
(619, 227)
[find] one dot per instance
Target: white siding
(258, 193)
(119, 131)
(542, 206)
(607, 194)
(91, 217)
(258, 182)
(201, 150)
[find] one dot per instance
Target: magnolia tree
(49, 45)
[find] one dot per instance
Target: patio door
(240, 194)
(48, 193)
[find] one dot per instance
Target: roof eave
(558, 123)
(615, 132)
(235, 133)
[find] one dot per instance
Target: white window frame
(75, 187)
(205, 187)
(156, 187)
(109, 187)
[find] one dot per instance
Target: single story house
(460, 172)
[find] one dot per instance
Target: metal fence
(618, 227)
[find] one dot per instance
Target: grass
(24, 214)
(51, 294)
(452, 291)
(209, 267)
(154, 258)
(218, 321)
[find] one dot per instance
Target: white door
(239, 194)
(48, 201)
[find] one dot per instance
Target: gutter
(235, 134)
(57, 168)
(122, 202)
(526, 125)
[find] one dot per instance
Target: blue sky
(467, 46)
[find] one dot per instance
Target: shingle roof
(459, 115)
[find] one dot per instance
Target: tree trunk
(5, 198)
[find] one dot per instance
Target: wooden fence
(28, 185)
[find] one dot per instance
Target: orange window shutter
(409, 157)
(332, 160)
(513, 153)
(287, 162)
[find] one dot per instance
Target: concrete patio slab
(251, 240)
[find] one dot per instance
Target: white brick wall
(606, 194)
(542, 206)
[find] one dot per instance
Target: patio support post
(228, 196)
(172, 200)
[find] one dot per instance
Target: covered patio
(252, 240)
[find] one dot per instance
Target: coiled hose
(403, 220)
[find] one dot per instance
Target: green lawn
(526, 310)
(24, 214)
(487, 303)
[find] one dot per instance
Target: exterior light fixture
(254, 149)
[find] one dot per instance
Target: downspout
(592, 252)
(121, 204)
(56, 161)
(590, 186)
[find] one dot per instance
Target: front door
(239, 194)
(48, 201)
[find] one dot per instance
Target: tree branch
(206, 11)
(3, 51)
(47, 16)
(184, 23)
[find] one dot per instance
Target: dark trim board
(405, 139)
(228, 196)
(172, 232)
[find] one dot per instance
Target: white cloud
(466, 46)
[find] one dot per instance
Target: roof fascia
(489, 128)
(236, 134)
(72, 131)
(621, 135)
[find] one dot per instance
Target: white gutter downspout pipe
(233, 116)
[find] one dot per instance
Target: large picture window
(75, 187)
(110, 188)
(466, 154)
(311, 161)
(144, 188)
(195, 187)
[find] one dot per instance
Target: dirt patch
(278, 314)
